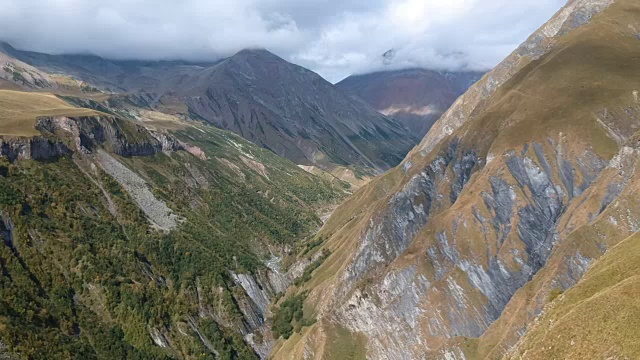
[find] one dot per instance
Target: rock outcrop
(121, 137)
(161, 216)
(64, 135)
(259, 291)
(36, 148)
(92, 135)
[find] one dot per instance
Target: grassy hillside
(598, 318)
(19, 111)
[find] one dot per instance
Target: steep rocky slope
(275, 104)
(150, 238)
(414, 97)
(527, 180)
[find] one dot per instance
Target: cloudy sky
(332, 37)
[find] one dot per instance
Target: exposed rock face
(63, 135)
(159, 338)
(260, 290)
(254, 307)
(170, 143)
(121, 137)
(37, 148)
(496, 207)
(409, 299)
(410, 208)
(394, 302)
(256, 292)
(6, 230)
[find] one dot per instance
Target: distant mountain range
(256, 94)
(415, 97)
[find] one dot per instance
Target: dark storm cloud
(335, 38)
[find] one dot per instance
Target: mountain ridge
(131, 228)
(455, 251)
(255, 93)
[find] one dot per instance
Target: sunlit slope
(426, 258)
(598, 318)
(19, 111)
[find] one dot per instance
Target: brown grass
(155, 120)
(598, 318)
(19, 111)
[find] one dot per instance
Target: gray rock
(36, 148)
(156, 210)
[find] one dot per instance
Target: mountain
(263, 98)
(259, 96)
(414, 97)
(500, 216)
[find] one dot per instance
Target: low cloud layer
(335, 38)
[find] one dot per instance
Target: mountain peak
(256, 53)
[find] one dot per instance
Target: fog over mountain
(333, 38)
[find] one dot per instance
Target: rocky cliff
(515, 191)
(63, 135)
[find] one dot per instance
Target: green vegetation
(62, 243)
(554, 294)
(17, 77)
(295, 184)
(312, 245)
(82, 282)
(226, 344)
(289, 317)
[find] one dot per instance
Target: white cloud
(333, 37)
